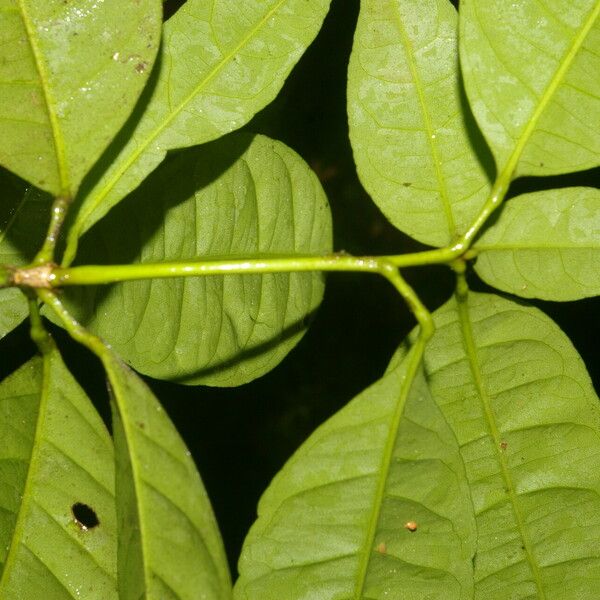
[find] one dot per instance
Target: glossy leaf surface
(413, 137)
(70, 74)
(169, 543)
(335, 522)
(545, 245)
(222, 61)
(55, 453)
(531, 75)
(242, 196)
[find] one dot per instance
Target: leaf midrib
(141, 148)
(478, 379)
(414, 360)
(549, 92)
(49, 103)
(429, 131)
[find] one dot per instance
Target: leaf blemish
(381, 548)
(411, 526)
(85, 516)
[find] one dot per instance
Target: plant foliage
(136, 218)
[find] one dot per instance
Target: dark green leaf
(55, 455)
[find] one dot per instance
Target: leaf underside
(70, 74)
(531, 76)
(513, 512)
(169, 543)
(221, 62)
(416, 147)
(55, 453)
(544, 245)
(243, 196)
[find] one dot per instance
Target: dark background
(241, 437)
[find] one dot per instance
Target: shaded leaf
(70, 73)
(242, 196)
(169, 543)
(527, 420)
(531, 75)
(335, 523)
(221, 62)
(55, 453)
(24, 216)
(545, 245)
(412, 134)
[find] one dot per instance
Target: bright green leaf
(222, 61)
(527, 420)
(332, 525)
(240, 196)
(531, 74)
(169, 543)
(545, 245)
(411, 132)
(55, 453)
(70, 74)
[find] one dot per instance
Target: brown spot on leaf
(411, 526)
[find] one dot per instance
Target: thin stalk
(37, 331)
(58, 215)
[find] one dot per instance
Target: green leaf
(545, 245)
(333, 523)
(221, 62)
(55, 453)
(531, 75)
(169, 543)
(241, 196)
(70, 74)
(527, 420)
(414, 140)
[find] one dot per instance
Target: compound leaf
(241, 196)
(414, 140)
(70, 74)
(545, 245)
(531, 75)
(337, 521)
(169, 543)
(57, 524)
(222, 61)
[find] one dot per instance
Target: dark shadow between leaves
(476, 139)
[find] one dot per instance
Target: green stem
(57, 218)
(99, 274)
(37, 330)
(73, 327)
